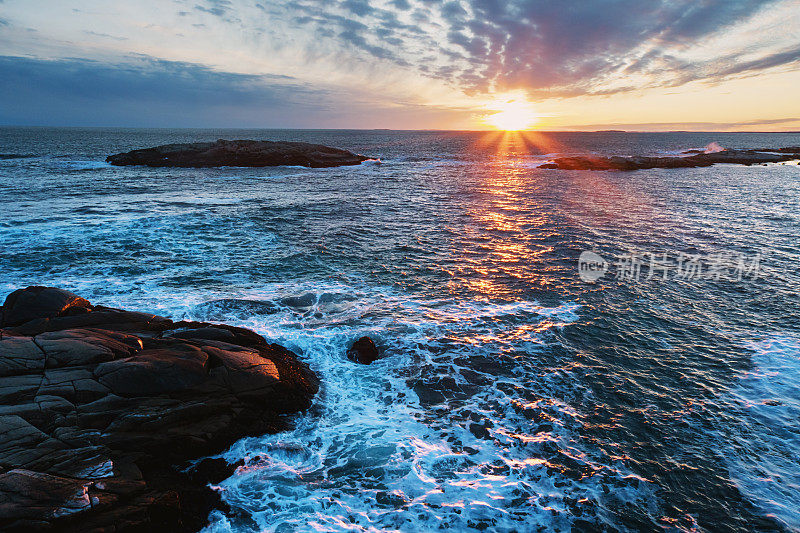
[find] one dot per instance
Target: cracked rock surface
(101, 409)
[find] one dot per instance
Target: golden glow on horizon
(512, 113)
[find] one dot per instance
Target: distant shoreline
(228, 128)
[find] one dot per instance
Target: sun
(512, 114)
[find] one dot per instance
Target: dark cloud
(711, 71)
(146, 92)
(576, 46)
(690, 126)
(765, 122)
(105, 35)
(786, 57)
(377, 35)
(357, 7)
(218, 8)
(549, 48)
(453, 11)
(150, 92)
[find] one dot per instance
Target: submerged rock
(224, 153)
(363, 351)
(702, 159)
(98, 406)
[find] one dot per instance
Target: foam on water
(371, 456)
(713, 148)
(765, 464)
(81, 165)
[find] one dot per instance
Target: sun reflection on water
(510, 233)
(509, 248)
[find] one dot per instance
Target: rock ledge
(100, 410)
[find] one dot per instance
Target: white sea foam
(713, 148)
(370, 456)
(81, 165)
(765, 464)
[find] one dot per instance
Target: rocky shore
(103, 410)
(736, 157)
(222, 153)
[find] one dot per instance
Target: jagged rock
(98, 406)
(222, 153)
(736, 157)
(363, 351)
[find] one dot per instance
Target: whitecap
(764, 462)
(370, 456)
(81, 165)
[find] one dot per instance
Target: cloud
(146, 92)
(218, 8)
(579, 47)
(357, 7)
(785, 57)
(105, 35)
(453, 11)
(564, 48)
(149, 92)
(402, 5)
(386, 51)
(749, 125)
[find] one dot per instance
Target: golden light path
(509, 245)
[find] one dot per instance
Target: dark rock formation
(100, 406)
(788, 150)
(224, 153)
(363, 351)
(737, 157)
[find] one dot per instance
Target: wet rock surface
(363, 351)
(241, 153)
(736, 157)
(101, 409)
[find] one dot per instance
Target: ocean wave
(376, 453)
(81, 165)
(763, 461)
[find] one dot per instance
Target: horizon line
(566, 130)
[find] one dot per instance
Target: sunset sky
(402, 64)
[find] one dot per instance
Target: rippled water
(513, 396)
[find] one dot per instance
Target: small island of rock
(698, 158)
(222, 153)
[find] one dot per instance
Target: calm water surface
(514, 396)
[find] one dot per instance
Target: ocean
(656, 388)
